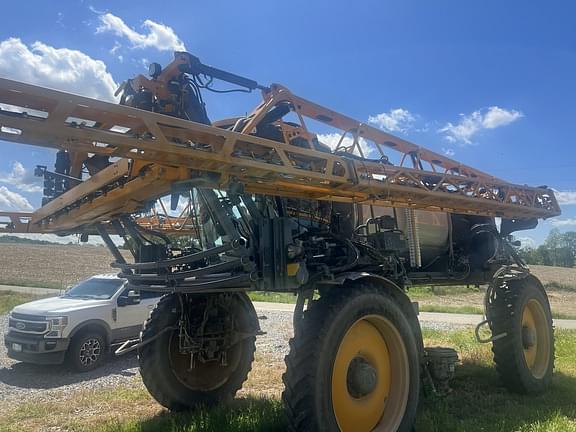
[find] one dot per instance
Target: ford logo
(20, 326)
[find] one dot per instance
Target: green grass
(430, 292)
(478, 403)
(559, 286)
(474, 310)
(243, 415)
(415, 293)
(563, 315)
(31, 283)
(9, 299)
(266, 296)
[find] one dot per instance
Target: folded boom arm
(156, 151)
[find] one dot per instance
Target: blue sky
(490, 83)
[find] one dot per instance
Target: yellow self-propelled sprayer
(347, 228)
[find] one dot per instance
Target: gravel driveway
(24, 382)
(20, 382)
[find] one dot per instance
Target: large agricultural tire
(166, 372)
(353, 366)
(525, 356)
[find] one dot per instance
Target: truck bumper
(36, 349)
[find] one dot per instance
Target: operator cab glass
(98, 288)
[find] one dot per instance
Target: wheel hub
(535, 338)
(528, 337)
(90, 351)
(369, 377)
(361, 378)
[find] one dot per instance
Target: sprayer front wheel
(174, 379)
(525, 356)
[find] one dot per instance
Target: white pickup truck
(79, 326)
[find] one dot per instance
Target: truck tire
(86, 351)
(353, 366)
(166, 372)
(525, 356)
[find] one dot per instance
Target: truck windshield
(95, 288)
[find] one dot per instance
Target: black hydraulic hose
(215, 268)
(222, 75)
(350, 265)
(187, 259)
(240, 282)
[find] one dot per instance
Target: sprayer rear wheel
(353, 366)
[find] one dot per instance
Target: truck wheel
(353, 366)
(86, 351)
(525, 357)
(167, 373)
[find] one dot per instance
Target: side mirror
(132, 298)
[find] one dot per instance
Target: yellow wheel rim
(535, 338)
(370, 377)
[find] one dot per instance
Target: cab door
(131, 312)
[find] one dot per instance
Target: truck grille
(28, 323)
(26, 317)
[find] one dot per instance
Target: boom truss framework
(20, 223)
(157, 151)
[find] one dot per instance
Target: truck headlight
(55, 326)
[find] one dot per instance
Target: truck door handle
(150, 306)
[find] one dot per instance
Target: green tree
(559, 249)
(552, 243)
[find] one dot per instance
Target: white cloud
(565, 197)
(96, 11)
(144, 62)
(21, 179)
(156, 35)
(332, 140)
(526, 242)
(47, 237)
(75, 239)
(167, 201)
(114, 51)
(448, 152)
(58, 68)
(496, 117)
(60, 19)
(563, 222)
(13, 201)
(395, 120)
(469, 125)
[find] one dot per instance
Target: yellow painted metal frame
(21, 223)
(164, 150)
(17, 223)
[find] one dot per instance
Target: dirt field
(51, 266)
(57, 266)
(559, 275)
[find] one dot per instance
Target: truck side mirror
(131, 298)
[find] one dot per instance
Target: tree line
(559, 249)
